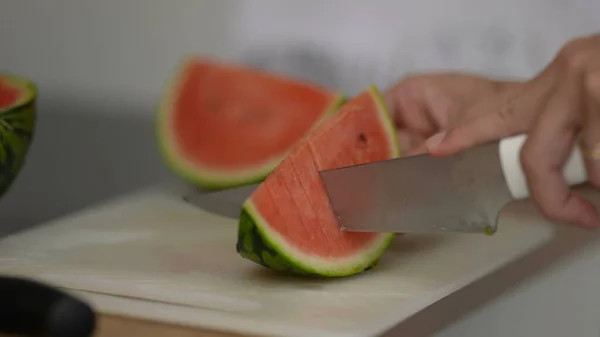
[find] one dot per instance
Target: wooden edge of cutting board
(115, 326)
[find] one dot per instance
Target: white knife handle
(510, 149)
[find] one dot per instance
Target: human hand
(557, 109)
(423, 105)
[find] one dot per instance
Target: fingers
(547, 148)
(408, 105)
(420, 106)
(411, 143)
(590, 136)
(557, 106)
(428, 102)
(495, 117)
(424, 104)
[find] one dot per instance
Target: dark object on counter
(30, 308)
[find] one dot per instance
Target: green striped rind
(252, 245)
(387, 121)
(205, 177)
(260, 244)
(257, 242)
(17, 124)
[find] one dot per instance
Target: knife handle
(30, 308)
(510, 148)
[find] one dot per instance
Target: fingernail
(434, 141)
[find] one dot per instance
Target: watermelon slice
(287, 224)
(17, 121)
(223, 126)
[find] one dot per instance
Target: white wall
(126, 49)
(107, 48)
(389, 38)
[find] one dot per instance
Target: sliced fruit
(17, 122)
(287, 224)
(222, 125)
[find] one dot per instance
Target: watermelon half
(17, 122)
(223, 125)
(287, 224)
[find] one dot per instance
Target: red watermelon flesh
(227, 125)
(9, 95)
(288, 223)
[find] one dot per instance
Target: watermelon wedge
(287, 224)
(17, 122)
(222, 125)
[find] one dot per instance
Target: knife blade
(420, 194)
(226, 202)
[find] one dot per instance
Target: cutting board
(152, 255)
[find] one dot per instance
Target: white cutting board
(166, 260)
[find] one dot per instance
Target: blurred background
(101, 66)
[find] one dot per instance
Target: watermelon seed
(362, 138)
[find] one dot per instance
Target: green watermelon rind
(214, 179)
(17, 127)
(258, 243)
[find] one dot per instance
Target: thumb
(483, 128)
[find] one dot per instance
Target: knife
(419, 194)
(227, 202)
